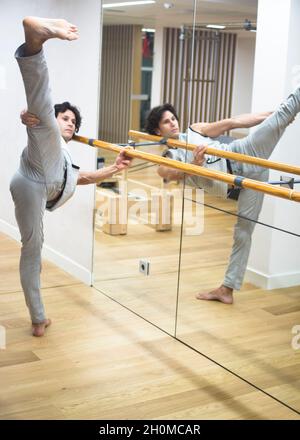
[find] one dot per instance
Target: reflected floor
(252, 337)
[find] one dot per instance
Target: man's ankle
(226, 288)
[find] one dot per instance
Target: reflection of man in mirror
(163, 121)
(46, 178)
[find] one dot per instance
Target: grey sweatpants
(260, 143)
(39, 179)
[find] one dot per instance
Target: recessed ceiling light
(216, 26)
(136, 3)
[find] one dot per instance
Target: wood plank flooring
(101, 361)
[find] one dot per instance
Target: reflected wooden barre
(220, 153)
(196, 170)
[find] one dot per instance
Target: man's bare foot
(40, 30)
(222, 294)
(39, 329)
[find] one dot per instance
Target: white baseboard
(60, 260)
(67, 264)
(10, 230)
(269, 282)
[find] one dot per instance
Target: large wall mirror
(256, 336)
(136, 263)
(174, 240)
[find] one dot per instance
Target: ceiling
(181, 12)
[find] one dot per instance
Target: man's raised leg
(39, 30)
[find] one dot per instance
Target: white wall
(275, 256)
(243, 74)
(74, 69)
(157, 75)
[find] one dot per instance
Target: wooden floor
(101, 361)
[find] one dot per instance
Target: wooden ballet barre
(220, 153)
(230, 179)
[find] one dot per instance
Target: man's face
(66, 122)
(168, 126)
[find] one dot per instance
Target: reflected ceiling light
(215, 26)
(148, 30)
(136, 3)
(168, 5)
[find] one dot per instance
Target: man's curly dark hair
(155, 115)
(62, 108)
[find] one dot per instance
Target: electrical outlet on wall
(144, 266)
